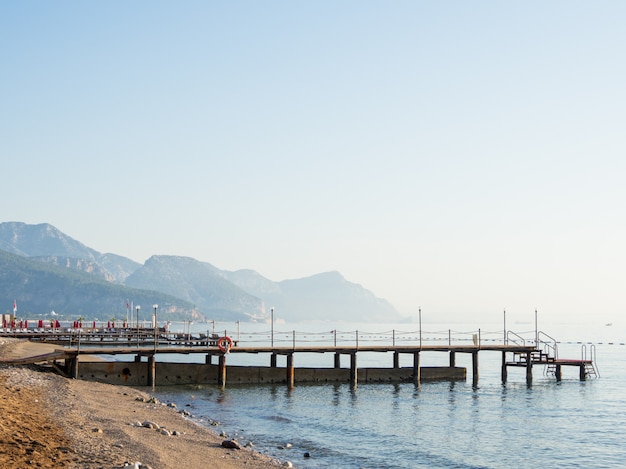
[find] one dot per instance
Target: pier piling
(221, 370)
(73, 367)
(475, 367)
(151, 370)
(353, 370)
(337, 360)
(529, 368)
(290, 371)
(417, 377)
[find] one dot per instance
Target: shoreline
(50, 421)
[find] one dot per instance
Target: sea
(548, 424)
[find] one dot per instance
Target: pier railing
(548, 344)
(155, 338)
(355, 338)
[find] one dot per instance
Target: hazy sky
(464, 157)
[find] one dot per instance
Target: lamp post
(505, 327)
(156, 326)
(272, 322)
(536, 331)
(137, 308)
(237, 331)
(420, 320)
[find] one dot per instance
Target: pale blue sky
(464, 157)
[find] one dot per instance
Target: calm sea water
(434, 425)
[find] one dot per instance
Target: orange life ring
(225, 344)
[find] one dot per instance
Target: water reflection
(336, 395)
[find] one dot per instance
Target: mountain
(329, 296)
(325, 297)
(69, 276)
(199, 283)
(48, 244)
(41, 288)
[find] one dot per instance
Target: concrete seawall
(137, 374)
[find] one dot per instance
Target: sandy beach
(49, 421)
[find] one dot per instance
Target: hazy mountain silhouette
(47, 269)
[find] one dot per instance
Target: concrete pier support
(529, 368)
(504, 371)
(452, 358)
(151, 370)
(475, 372)
(273, 360)
(353, 370)
(396, 360)
(72, 367)
(137, 358)
(290, 371)
(337, 360)
(221, 371)
(208, 360)
(417, 374)
(581, 373)
(558, 372)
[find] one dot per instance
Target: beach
(49, 421)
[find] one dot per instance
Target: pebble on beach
(232, 444)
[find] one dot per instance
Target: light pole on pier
(137, 308)
(536, 331)
(420, 320)
(272, 323)
(156, 326)
(504, 339)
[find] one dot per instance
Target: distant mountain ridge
(46, 242)
(199, 283)
(191, 288)
(40, 288)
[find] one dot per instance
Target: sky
(464, 158)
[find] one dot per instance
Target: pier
(146, 345)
